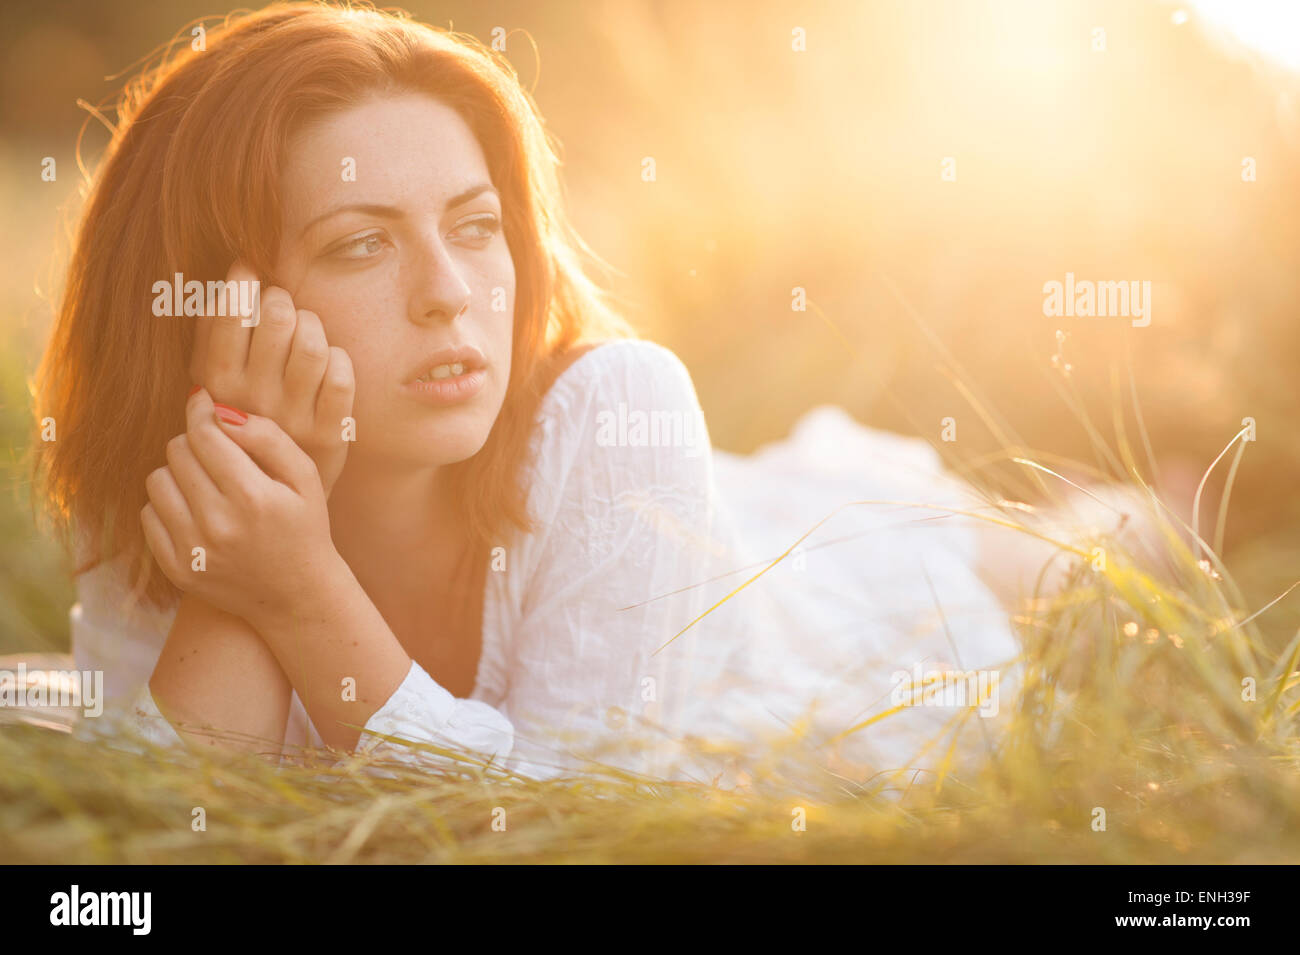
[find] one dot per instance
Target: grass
(1132, 702)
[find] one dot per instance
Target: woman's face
(392, 234)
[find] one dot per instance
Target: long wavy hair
(189, 183)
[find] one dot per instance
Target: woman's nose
(439, 292)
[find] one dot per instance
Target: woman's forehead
(399, 148)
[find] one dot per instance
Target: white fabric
(640, 532)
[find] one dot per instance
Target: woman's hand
(251, 499)
(280, 367)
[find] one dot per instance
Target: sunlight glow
(1270, 27)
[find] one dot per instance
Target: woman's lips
(468, 356)
(448, 391)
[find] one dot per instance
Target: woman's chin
(446, 443)
(427, 446)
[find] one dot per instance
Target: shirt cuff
(424, 712)
(126, 727)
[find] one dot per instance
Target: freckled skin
(390, 287)
(394, 300)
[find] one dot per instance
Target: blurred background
(1105, 139)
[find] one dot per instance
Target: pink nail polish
(228, 414)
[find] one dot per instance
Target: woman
(430, 488)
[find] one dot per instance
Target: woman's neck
(382, 515)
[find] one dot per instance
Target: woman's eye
(484, 227)
(362, 247)
(372, 243)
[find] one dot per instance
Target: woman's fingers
(229, 467)
(228, 338)
(172, 510)
(201, 492)
(268, 352)
(202, 334)
(159, 540)
(308, 359)
(277, 454)
(246, 449)
(334, 403)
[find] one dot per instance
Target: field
(1162, 689)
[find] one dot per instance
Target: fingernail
(228, 414)
(193, 391)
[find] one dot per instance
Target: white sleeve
(121, 639)
(144, 721)
(423, 712)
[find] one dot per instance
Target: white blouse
(572, 615)
(643, 527)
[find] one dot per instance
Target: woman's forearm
(215, 671)
(338, 652)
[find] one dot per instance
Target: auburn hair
(189, 184)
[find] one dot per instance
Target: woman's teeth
(443, 371)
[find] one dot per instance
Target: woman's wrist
(317, 592)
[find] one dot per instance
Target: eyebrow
(393, 212)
